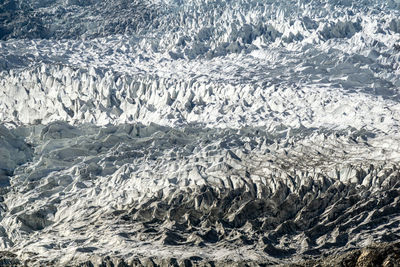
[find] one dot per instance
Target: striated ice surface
(197, 132)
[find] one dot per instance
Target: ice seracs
(197, 132)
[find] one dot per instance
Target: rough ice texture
(197, 132)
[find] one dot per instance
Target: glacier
(199, 132)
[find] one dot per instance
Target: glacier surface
(202, 132)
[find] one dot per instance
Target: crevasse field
(198, 132)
